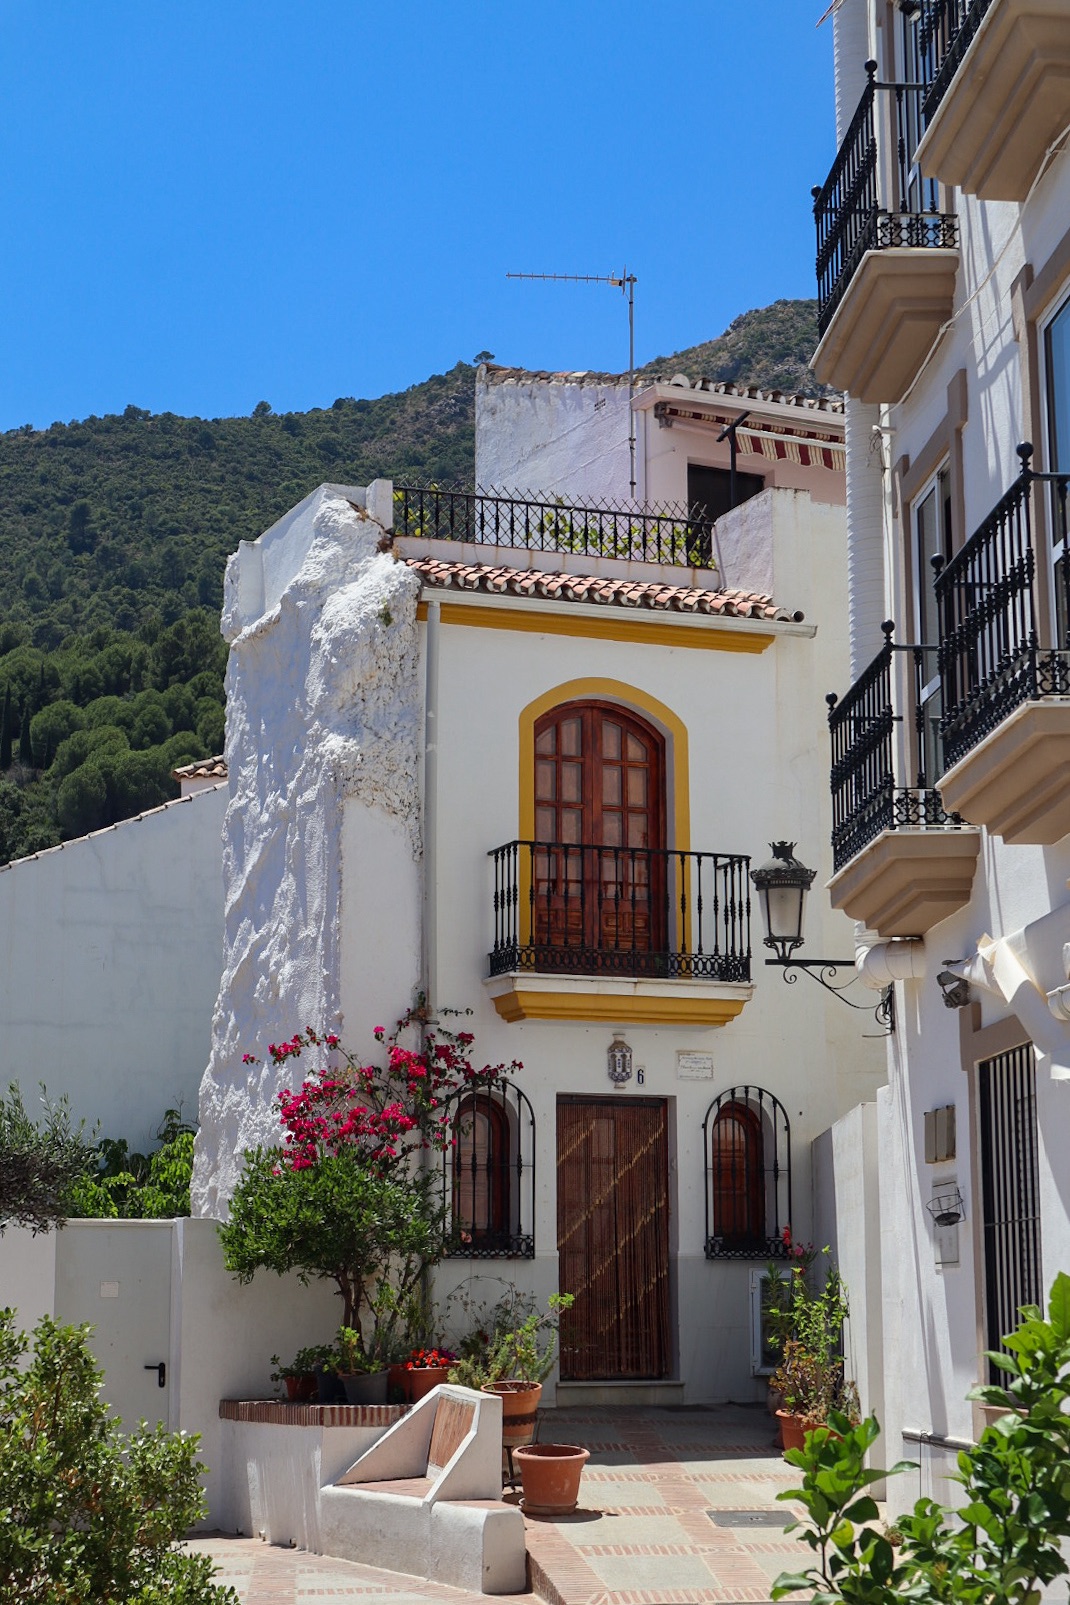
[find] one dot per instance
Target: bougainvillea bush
(346, 1195)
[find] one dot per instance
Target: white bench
(426, 1498)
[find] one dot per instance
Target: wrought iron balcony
(663, 534)
(852, 214)
(586, 910)
(902, 861)
(945, 31)
(991, 659)
(866, 795)
(886, 253)
(997, 91)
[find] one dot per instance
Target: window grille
(746, 1140)
(488, 1174)
(1011, 1215)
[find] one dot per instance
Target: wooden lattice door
(600, 811)
(613, 1237)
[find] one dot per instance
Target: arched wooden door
(599, 882)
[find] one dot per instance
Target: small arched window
(747, 1143)
(489, 1174)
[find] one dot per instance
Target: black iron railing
(991, 659)
(666, 534)
(639, 911)
(851, 210)
(943, 34)
(866, 794)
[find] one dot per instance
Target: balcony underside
(615, 1001)
(892, 311)
(906, 881)
(1007, 102)
(1016, 782)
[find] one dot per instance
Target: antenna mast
(625, 282)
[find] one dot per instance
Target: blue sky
(210, 204)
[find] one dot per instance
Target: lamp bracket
(822, 971)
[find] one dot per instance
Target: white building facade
(526, 773)
(944, 305)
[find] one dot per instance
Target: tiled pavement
(643, 1534)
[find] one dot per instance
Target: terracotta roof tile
(653, 594)
(203, 769)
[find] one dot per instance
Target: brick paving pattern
(641, 1536)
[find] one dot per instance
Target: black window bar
(866, 798)
(852, 214)
(991, 659)
(666, 534)
(488, 1173)
(1010, 1191)
(746, 1142)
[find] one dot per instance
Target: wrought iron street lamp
(782, 884)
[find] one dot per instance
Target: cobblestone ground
(677, 1507)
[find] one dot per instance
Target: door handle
(161, 1372)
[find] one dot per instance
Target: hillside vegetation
(115, 533)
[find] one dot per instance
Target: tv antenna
(625, 282)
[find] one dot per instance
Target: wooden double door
(613, 1237)
(599, 868)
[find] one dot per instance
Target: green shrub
(87, 1515)
(130, 1186)
(42, 1165)
(1002, 1545)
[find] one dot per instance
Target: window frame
(775, 1177)
(511, 1175)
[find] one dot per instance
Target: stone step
(619, 1394)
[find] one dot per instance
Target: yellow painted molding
(521, 1004)
(630, 626)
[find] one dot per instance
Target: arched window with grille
(488, 1176)
(747, 1147)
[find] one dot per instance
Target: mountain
(770, 348)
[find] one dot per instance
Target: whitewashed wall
(560, 437)
(109, 966)
(322, 723)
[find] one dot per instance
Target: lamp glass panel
(783, 912)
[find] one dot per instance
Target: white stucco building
(944, 283)
(518, 755)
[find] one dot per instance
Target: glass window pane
(610, 739)
(571, 782)
(611, 786)
(546, 741)
(571, 737)
(637, 791)
(545, 780)
(636, 749)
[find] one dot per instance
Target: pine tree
(25, 746)
(5, 730)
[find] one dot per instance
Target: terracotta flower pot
(550, 1475)
(302, 1389)
(793, 1429)
(422, 1378)
(520, 1402)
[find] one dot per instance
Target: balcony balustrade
(1006, 692)
(901, 863)
(997, 91)
(584, 910)
(886, 254)
(664, 534)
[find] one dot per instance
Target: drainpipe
(430, 808)
(902, 959)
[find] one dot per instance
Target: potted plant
(362, 1375)
(425, 1369)
(810, 1378)
(516, 1358)
(299, 1375)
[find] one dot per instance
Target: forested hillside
(114, 533)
